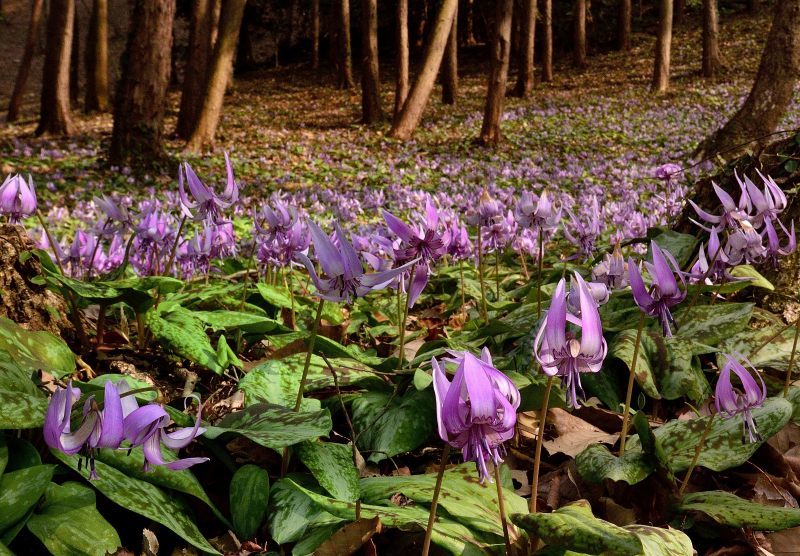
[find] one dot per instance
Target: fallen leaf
(572, 434)
(349, 538)
(783, 543)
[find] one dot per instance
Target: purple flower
(17, 198)
(340, 263)
(767, 205)
(612, 270)
(456, 238)
(774, 247)
(745, 245)
(488, 209)
(117, 218)
(477, 411)
(664, 292)
(583, 235)
(207, 204)
(557, 346)
(538, 213)
(425, 243)
(732, 213)
(713, 265)
(734, 401)
(667, 171)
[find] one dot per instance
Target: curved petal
(182, 437)
(112, 432)
(418, 283)
(129, 403)
(57, 417)
(349, 257)
(591, 327)
(643, 299)
(440, 387)
(400, 228)
(143, 422)
(231, 192)
(328, 256)
(152, 451)
(431, 214)
(555, 326)
(479, 390)
(663, 277)
(184, 463)
(72, 443)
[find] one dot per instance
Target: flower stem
(501, 503)
(461, 273)
(401, 355)
(539, 277)
(311, 341)
(537, 457)
(426, 545)
(696, 457)
(291, 294)
(168, 268)
(788, 380)
(524, 265)
(702, 281)
(480, 276)
(629, 393)
(497, 274)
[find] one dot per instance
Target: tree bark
(624, 25)
(663, 48)
(712, 59)
(371, 111)
(97, 59)
(547, 58)
(579, 52)
(55, 117)
(75, 60)
(450, 65)
(345, 77)
(526, 76)
(315, 27)
(772, 90)
(414, 105)
(34, 27)
(469, 24)
(140, 98)
(498, 74)
(678, 12)
(401, 84)
(201, 46)
(219, 73)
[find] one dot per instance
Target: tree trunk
(201, 45)
(34, 27)
(547, 58)
(450, 65)
(663, 47)
(140, 97)
(75, 60)
(97, 59)
(345, 78)
(525, 78)
(678, 12)
(219, 72)
(711, 55)
(370, 71)
(411, 113)
(401, 84)
(469, 20)
(579, 52)
(772, 90)
(421, 22)
(315, 27)
(55, 117)
(624, 25)
(498, 74)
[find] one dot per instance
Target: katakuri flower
(774, 248)
(477, 411)
(559, 348)
(612, 270)
(537, 212)
(206, 204)
(733, 400)
(17, 198)
(732, 213)
(664, 293)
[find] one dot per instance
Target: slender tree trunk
(525, 78)
(34, 27)
(75, 60)
(450, 65)
(663, 48)
(371, 111)
(469, 20)
(752, 6)
(97, 59)
(401, 84)
(140, 97)
(711, 56)
(579, 52)
(219, 73)
(498, 74)
(421, 22)
(201, 46)
(678, 12)
(345, 50)
(547, 58)
(315, 27)
(411, 113)
(55, 117)
(624, 25)
(772, 90)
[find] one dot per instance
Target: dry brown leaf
(349, 538)
(572, 434)
(784, 542)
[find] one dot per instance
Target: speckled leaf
(21, 411)
(3, 453)
(275, 295)
(757, 280)
(713, 323)
(144, 499)
(574, 527)
(4, 551)
(750, 343)
(681, 246)
(249, 498)
(68, 523)
(14, 378)
(332, 465)
(178, 330)
(273, 426)
(36, 350)
(624, 346)
(596, 463)
(292, 513)
(231, 321)
(657, 541)
(20, 490)
(729, 509)
(226, 356)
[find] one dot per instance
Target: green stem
(537, 456)
(501, 503)
(311, 341)
(480, 277)
(174, 251)
(497, 274)
(50, 241)
(461, 274)
(697, 450)
(401, 355)
(788, 380)
(291, 295)
(426, 545)
(539, 276)
(702, 280)
(629, 393)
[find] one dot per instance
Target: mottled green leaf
(249, 499)
(292, 513)
(596, 463)
(231, 321)
(178, 330)
(20, 490)
(681, 246)
(657, 541)
(729, 509)
(226, 356)
(21, 411)
(36, 350)
(770, 346)
(14, 378)
(68, 523)
(757, 280)
(275, 295)
(713, 323)
(3, 454)
(332, 465)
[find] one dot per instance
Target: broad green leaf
(68, 523)
(144, 499)
(88, 292)
(332, 465)
(35, 350)
(596, 463)
(273, 426)
(681, 246)
(292, 513)
(275, 295)
(312, 538)
(21, 411)
(4, 551)
(757, 280)
(729, 509)
(249, 498)
(657, 541)
(226, 356)
(20, 490)
(133, 382)
(764, 347)
(14, 378)
(574, 527)
(21, 454)
(624, 346)
(178, 330)
(3, 453)
(387, 425)
(231, 321)
(713, 323)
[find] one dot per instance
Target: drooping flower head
(612, 270)
(664, 292)
(583, 233)
(206, 204)
(567, 345)
(774, 248)
(115, 217)
(740, 400)
(17, 198)
(745, 244)
(537, 212)
(712, 262)
(456, 238)
(488, 209)
(477, 411)
(732, 213)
